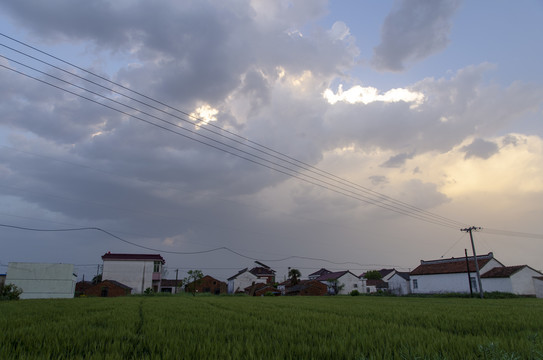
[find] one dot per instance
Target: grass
(229, 327)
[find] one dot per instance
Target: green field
(235, 327)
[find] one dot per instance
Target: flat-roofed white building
(42, 280)
(137, 271)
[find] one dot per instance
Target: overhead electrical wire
(324, 184)
(221, 248)
(304, 165)
(378, 199)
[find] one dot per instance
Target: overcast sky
(435, 106)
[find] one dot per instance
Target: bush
(149, 291)
(355, 293)
(10, 292)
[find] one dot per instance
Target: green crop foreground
(233, 327)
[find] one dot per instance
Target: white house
(450, 275)
(512, 279)
(137, 271)
(345, 280)
(42, 280)
(245, 278)
(538, 286)
(399, 284)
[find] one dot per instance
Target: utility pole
(176, 275)
(470, 230)
(469, 276)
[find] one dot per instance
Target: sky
(350, 135)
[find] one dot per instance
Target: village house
(450, 275)
(108, 288)
(316, 274)
(42, 280)
(170, 286)
(245, 278)
(399, 284)
(136, 271)
(341, 282)
(207, 284)
(538, 286)
(517, 279)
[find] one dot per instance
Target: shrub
(355, 293)
(10, 292)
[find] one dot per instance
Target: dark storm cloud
(414, 30)
(480, 148)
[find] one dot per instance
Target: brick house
(207, 284)
(108, 288)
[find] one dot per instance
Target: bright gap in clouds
(368, 94)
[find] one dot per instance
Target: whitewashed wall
(444, 283)
(538, 285)
(497, 284)
(240, 282)
(42, 281)
(398, 285)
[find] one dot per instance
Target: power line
(378, 199)
(512, 233)
(222, 248)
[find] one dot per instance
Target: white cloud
(367, 95)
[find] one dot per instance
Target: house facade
(512, 279)
(341, 282)
(450, 275)
(207, 284)
(399, 284)
(42, 280)
(538, 286)
(108, 288)
(137, 271)
(245, 278)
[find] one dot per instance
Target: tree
(10, 292)
(294, 276)
(193, 280)
(373, 275)
(334, 286)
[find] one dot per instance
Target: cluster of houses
(125, 274)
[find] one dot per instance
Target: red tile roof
(502, 272)
(130, 257)
(450, 266)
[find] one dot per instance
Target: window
(156, 267)
(105, 291)
(355, 285)
(415, 284)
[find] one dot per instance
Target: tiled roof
(116, 283)
(332, 275)
(262, 271)
(320, 272)
(502, 272)
(404, 275)
(238, 274)
(450, 266)
(385, 272)
(378, 283)
(129, 257)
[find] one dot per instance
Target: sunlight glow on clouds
(367, 95)
(205, 114)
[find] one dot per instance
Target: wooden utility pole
(470, 230)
